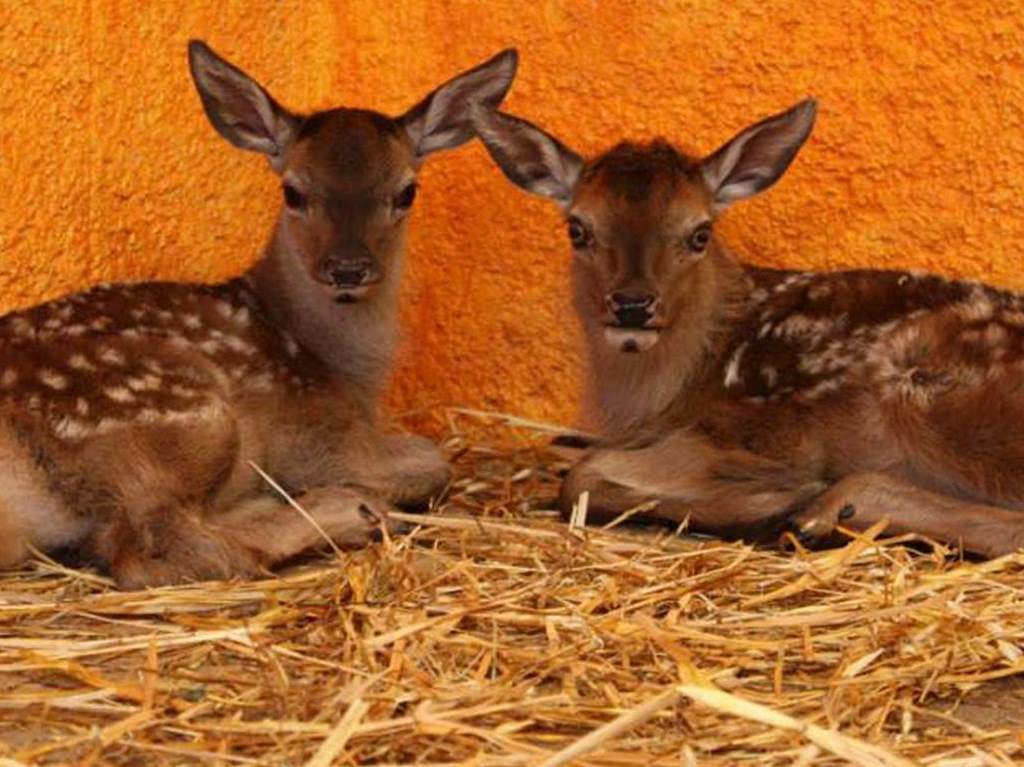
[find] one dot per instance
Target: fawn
(129, 414)
(745, 400)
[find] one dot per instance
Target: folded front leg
(859, 501)
(729, 492)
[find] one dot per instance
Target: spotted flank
(907, 337)
(116, 356)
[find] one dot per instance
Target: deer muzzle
(632, 325)
(350, 278)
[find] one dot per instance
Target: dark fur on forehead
(633, 171)
(349, 139)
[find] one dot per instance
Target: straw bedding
(496, 634)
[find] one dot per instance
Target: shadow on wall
(112, 172)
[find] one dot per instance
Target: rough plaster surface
(111, 172)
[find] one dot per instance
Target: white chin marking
(630, 340)
(351, 295)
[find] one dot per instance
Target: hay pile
(494, 634)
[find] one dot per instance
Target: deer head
(348, 176)
(640, 218)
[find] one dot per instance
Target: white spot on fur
(822, 388)
(72, 429)
(79, 361)
(22, 327)
(111, 356)
(191, 321)
(119, 394)
(1013, 317)
(236, 344)
(732, 370)
(9, 378)
(261, 382)
(977, 308)
(144, 383)
(75, 330)
(291, 346)
(820, 292)
(82, 406)
(802, 325)
(53, 379)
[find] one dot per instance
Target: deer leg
(859, 501)
(408, 471)
(185, 545)
(274, 532)
(722, 491)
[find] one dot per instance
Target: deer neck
(633, 393)
(355, 342)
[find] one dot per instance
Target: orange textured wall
(110, 171)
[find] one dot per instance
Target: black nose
(632, 311)
(350, 276)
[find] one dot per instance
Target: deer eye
(579, 235)
(294, 199)
(404, 199)
(699, 239)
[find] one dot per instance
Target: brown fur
(129, 414)
(770, 398)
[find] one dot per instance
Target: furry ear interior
(529, 157)
(758, 156)
(443, 121)
(237, 106)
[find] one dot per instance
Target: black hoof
(577, 441)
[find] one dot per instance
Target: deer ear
(758, 156)
(529, 157)
(442, 120)
(239, 108)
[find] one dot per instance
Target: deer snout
(632, 310)
(351, 277)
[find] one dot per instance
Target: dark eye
(294, 199)
(699, 239)
(405, 198)
(579, 235)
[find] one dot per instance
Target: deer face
(348, 184)
(639, 218)
(348, 176)
(639, 223)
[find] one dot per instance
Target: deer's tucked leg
(179, 545)
(858, 501)
(178, 502)
(723, 491)
(275, 532)
(406, 470)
